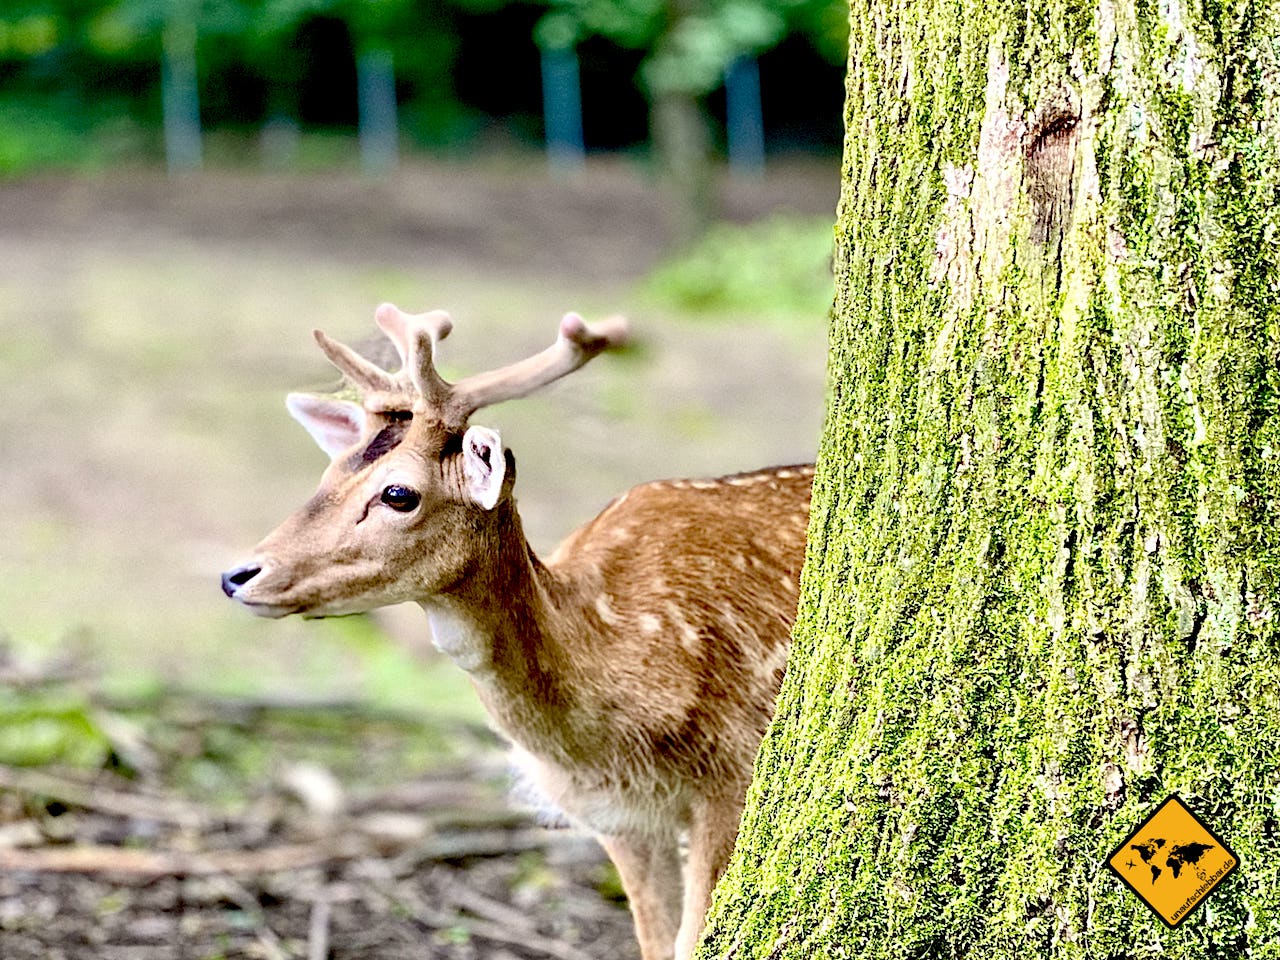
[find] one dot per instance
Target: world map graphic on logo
(1180, 854)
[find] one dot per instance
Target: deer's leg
(713, 829)
(650, 872)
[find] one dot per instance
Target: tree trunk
(682, 143)
(180, 95)
(678, 125)
(1041, 592)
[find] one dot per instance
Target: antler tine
(415, 336)
(363, 373)
(576, 344)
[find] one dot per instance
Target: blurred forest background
(186, 190)
(90, 83)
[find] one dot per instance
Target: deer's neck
(506, 625)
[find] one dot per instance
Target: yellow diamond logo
(1172, 861)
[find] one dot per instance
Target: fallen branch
(318, 928)
(475, 843)
(434, 919)
(140, 806)
(467, 898)
(459, 786)
(152, 864)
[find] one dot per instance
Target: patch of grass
(228, 758)
(46, 133)
(33, 138)
(47, 728)
(780, 266)
(396, 680)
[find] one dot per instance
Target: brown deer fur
(634, 671)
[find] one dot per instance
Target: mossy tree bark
(1042, 588)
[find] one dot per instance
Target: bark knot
(1050, 170)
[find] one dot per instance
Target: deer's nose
(239, 577)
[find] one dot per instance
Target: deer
(633, 671)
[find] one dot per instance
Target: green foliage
(41, 132)
(780, 266)
(50, 728)
(211, 17)
(251, 67)
(694, 52)
(31, 138)
(440, 124)
(691, 45)
(28, 36)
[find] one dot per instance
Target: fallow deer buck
(634, 670)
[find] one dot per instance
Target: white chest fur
(459, 637)
(553, 791)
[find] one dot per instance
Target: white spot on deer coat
(685, 632)
(607, 613)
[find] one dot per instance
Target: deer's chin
(308, 611)
(271, 611)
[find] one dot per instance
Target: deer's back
(692, 587)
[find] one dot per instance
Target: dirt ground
(425, 864)
(148, 331)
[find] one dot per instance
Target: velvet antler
(415, 337)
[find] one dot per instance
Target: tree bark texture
(1042, 585)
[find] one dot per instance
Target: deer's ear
(334, 424)
(484, 464)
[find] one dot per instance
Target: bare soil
(606, 225)
(437, 864)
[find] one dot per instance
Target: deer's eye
(400, 498)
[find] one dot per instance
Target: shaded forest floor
(213, 846)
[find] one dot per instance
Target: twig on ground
(247, 902)
(127, 861)
(318, 931)
(434, 919)
(473, 843)
(473, 901)
(455, 786)
(150, 864)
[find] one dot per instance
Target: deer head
(413, 495)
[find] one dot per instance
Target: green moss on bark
(1041, 593)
